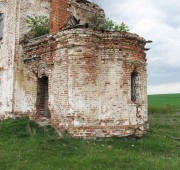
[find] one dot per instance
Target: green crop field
(24, 145)
(164, 103)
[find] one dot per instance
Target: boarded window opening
(1, 26)
(134, 86)
(42, 97)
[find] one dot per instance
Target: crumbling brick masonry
(90, 83)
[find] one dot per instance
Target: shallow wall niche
(42, 97)
(135, 85)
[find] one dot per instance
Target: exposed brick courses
(90, 82)
(88, 72)
(59, 15)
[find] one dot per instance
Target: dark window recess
(1, 26)
(134, 86)
(42, 97)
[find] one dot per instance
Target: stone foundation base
(91, 132)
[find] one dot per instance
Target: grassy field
(164, 103)
(26, 146)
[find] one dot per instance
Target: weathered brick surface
(61, 10)
(7, 53)
(59, 15)
(90, 82)
(22, 97)
(89, 72)
(11, 65)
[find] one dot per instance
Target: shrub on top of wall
(105, 24)
(38, 25)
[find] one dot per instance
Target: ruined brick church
(89, 83)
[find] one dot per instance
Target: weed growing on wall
(105, 24)
(38, 25)
(110, 25)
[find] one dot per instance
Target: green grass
(24, 145)
(164, 103)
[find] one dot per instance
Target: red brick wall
(90, 82)
(59, 15)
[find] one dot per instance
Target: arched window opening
(135, 84)
(42, 97)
